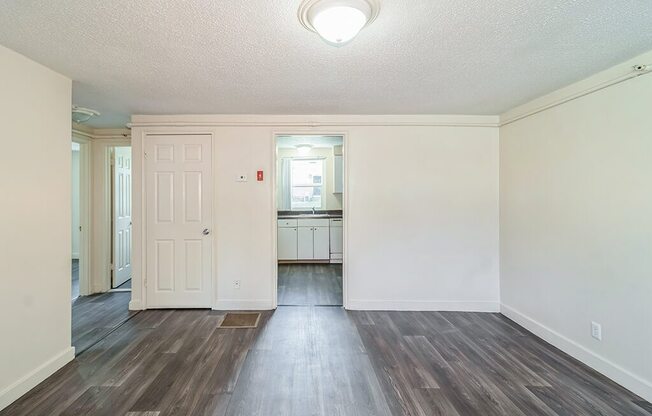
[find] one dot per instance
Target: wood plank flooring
(93, 317)
(325, 361)
(310, 284)
(74, 274)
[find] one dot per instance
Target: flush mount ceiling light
(337, 21)
(304, 149)
(82, 115)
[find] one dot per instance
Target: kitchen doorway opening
(310, 220)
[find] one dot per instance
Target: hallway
(96, 316)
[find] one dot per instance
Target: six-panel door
(121, 216)
(179, 194)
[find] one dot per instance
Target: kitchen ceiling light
(304, 149)
(337, 21)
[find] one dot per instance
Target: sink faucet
(313, 211)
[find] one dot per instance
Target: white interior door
(179, 210)
(121, 216)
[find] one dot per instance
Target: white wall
(35, 239)
(422, 215)
(75, 204)
(576, 227)
(423, 218)
(330, 200)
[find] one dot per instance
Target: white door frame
(101, 280)
(345, 208)
(84, 213)
(139, 212)
(114, 187)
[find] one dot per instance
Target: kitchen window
(307, 179)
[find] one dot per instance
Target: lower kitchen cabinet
(287, 242)
(313, 243)
(321, 243)
(306, 244)
(303, 239)
(309, 239)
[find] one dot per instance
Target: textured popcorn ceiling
(253, 56)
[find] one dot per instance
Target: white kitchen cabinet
(338, 174)
(304, 239)
(321, 243)
(313, 239)
(305, 249)
(287, 243)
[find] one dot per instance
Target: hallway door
(121, 216)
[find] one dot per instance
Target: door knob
(205, 232)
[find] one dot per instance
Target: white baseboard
(412, 305)
(33, 378)
(612, 370)
(243, 305)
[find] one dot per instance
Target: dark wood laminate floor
(95, 316)
(125, 285)
(74, 272)
(310, 284)
(325, 361)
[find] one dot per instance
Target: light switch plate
(596, 331)
(241, 178)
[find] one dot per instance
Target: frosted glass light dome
(337, 21)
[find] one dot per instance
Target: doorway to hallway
(102, 304)
(79, 235)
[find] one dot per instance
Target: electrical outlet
(596, 331)
(236, 284)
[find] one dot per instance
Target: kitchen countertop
(308, 214)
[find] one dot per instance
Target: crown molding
(255, 120)
(638, 66)
(96, 134)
